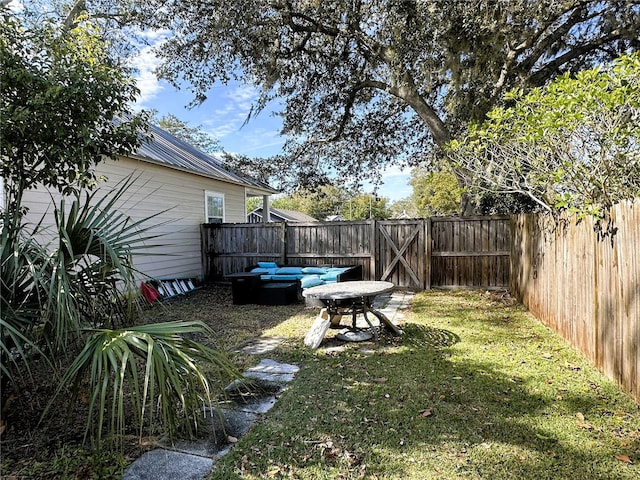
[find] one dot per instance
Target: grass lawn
(475, 389)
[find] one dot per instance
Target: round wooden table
(347, 298)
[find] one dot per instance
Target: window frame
(217, 195)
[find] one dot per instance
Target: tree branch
(290, 17)
(546, 42)
(79, 6)
(537, 78)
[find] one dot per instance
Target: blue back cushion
(270, 271)
(267, 265)
(289, 271)
(315, 270)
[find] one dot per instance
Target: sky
(223, 116)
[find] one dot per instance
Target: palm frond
(94, 270)
(21, 259)
(173, 389)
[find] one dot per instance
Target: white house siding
(156, 189)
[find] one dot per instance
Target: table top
(347, 290)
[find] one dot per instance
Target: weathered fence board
(420, 253)
(586, 289)
(470, 252)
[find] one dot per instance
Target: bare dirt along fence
(444, 252)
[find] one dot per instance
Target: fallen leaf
(580, 416)
(426, 412)
(232, 439)
(380, 380)
(624, 458)
(273, 472)
(84, 396)
(586, 425)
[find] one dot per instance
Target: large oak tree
(371, 83)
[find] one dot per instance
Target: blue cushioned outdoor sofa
(272, 276)
(309, 276)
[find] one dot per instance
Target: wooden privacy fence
(586, 289)
(447, 252)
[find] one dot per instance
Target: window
(214, 207)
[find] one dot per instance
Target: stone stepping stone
(260, 346)
(193, 460)
(172, 465)
(270, 370)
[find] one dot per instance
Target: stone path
(193, 460)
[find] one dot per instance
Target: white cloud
(145, 63)
(394, 184)
(16, 6)
(396, 171)
(231, 111)
(243, 93)
(222, 131)
(154, 37)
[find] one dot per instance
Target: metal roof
(166, 149)
(287, 215)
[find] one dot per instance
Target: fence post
(283, 244)
(427, 252)
(204, 258)
(373, 250)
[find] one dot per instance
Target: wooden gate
(443, 252)
(402, 252)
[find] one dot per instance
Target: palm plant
(83, 287)
(21, 262)
(93, 263)
(172, 377)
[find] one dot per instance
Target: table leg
(373, 329)
(386, 322)
(334, 318)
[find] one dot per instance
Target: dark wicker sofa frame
(258, 294)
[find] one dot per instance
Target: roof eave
(250, 188)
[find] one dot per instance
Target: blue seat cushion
(311, 281)
(290, 277)
(330, 276)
